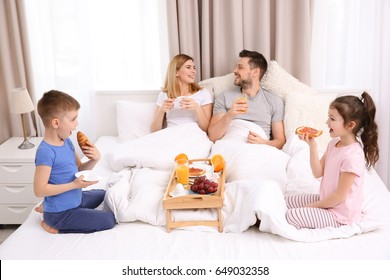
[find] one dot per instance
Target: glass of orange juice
(182, 171)
(242, 99)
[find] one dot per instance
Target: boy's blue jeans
(83, 219)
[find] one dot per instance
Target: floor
(6, 230)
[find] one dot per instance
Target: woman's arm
(203, 115)
(159, 114)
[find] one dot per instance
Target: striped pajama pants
(308, 217)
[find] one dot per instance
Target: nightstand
(17, 169)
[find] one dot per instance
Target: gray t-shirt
(264, 108)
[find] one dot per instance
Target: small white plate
(89, 175)
(205, 167)
(174, 193)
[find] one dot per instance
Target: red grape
(202, 185)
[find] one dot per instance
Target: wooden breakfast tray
(194, 201)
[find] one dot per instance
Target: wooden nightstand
(16, 180)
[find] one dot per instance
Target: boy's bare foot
(39, 208)
(48, 228)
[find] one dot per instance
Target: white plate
(174, 193)
(202, 166)
(89, 175)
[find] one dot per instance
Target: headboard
(105, 108)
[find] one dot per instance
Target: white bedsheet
(139, 240)
(256, 179)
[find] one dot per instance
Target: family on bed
(68, 209)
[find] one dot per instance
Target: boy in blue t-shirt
(66, 208)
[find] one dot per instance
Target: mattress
(142, 241)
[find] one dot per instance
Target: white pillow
(276, 80)
(305, 109)
(219, 84)
(279, 81)
(134, 119)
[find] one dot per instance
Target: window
(98, 44)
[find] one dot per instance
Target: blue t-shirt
(63, 165)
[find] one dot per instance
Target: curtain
(351, 49)
(213, 32)
(14, 67)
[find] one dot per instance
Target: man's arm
(218, 126)
(278, 137)
(220, 122)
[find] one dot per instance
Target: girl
(341, 167)
(181, 99)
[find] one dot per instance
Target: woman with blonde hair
(182, 100)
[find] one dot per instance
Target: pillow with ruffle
(279, 81)
(276, 80)
(306, 109)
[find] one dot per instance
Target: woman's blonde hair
(171, 85)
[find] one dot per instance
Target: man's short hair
(256, 60)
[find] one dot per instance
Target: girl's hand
(309, 140)
(167, 105)
(91, 152)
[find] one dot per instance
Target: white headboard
(105, 105)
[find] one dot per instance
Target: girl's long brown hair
(171, 86)
(362, 112)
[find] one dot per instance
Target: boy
(66, 208)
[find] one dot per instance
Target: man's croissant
(82, 139)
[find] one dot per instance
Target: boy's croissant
(82, 139)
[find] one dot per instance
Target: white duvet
(257, 177)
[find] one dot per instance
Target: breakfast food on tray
(218, 161)
(193, 171)
(204, 186)
(312, 132)
(82, 139)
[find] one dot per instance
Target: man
(262, 107)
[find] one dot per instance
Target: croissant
(82, 139)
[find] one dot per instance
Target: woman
(181, 100)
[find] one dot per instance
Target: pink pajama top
(338, 160)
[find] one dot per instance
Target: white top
(177, 115)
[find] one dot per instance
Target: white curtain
(81, 47)
(351, 49)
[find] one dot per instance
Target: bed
(136, 166)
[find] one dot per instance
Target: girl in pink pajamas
(353, 148)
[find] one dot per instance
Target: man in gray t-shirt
(261, 107)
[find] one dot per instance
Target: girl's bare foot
(39, 208)
(48, 228)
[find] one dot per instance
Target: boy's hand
(80, 183)
(90, 151)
